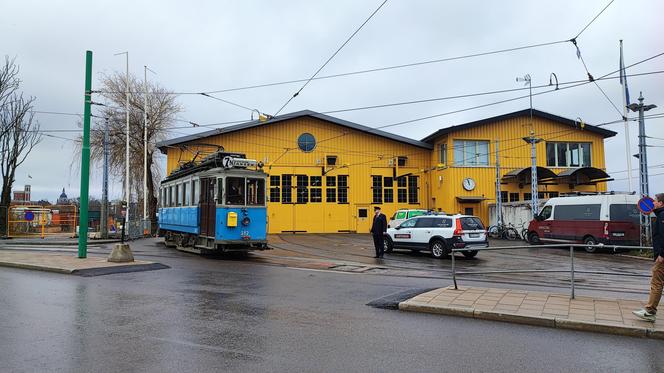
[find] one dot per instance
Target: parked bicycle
(503, 231)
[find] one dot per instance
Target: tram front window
(255, 192)
(235, 191)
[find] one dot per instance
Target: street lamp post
(127, 190)
(646, 237)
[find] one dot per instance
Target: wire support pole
(571, 270)
(499, 199)
(145, 144)
(646, 237)
(85, 160)
(127, 192)
(104, 187)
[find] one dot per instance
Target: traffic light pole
(85, 160)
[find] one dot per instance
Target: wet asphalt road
(206, 314)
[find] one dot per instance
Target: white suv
(438, 234)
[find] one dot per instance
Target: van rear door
(624, 223)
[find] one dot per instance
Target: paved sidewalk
(601, 315)
(71, 264)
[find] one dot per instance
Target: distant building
(63, 200)
(22, 196)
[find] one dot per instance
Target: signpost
(646, 205)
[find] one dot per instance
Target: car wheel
(438, 249)
(388, 245)
(470, 253)
(590, 240)
(533, 238)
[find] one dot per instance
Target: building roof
(521, 113)
(162, 145)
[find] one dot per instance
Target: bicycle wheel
(511, 234)
(494, 231)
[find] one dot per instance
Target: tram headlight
(246, 221)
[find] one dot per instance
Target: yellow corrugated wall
(514, 154)
(359, 155)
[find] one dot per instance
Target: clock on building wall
(468, 183)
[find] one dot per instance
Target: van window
(624, 212)
(546, 212)
(577, 212)
(413, 214)
(401, 215)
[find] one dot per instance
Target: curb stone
(556, 323)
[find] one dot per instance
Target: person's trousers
(656, 285)
(379, 242)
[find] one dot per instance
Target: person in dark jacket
(378, 230)
(657, 283)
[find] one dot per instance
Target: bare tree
(161, 109)
(19, 132)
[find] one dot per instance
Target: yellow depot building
(326, 174)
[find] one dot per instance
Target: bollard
(571, 257)
(453, 270)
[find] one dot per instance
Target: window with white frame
(471, 153)
(568, 154)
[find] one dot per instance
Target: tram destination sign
(230, 162)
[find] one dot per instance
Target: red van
(611, 219)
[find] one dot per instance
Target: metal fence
(40, 221)
(571, 270)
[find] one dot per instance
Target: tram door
(208, 207)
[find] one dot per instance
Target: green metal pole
(85, 160)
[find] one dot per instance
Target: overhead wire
(331, 57)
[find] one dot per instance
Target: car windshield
(471, 223)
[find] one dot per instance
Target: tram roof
(163, 145)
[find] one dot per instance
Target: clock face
(468, 183)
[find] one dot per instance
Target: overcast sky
(214, 45)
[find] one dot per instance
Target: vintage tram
(216, 205)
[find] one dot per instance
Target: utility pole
(145, 146)
(127, 190)
(499, 200)
(104, 187)
(625, 100)
(85, 160)
(533, 154)
(646, 237)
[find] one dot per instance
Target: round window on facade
(306, 142)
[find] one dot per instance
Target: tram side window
(255, 192)
(170, 196)
(187, 194)
(178, 195)
(220, 190)
(195, 191)
(235, 191)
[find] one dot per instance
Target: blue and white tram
(218, 205)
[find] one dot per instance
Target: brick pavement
(538, 308)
